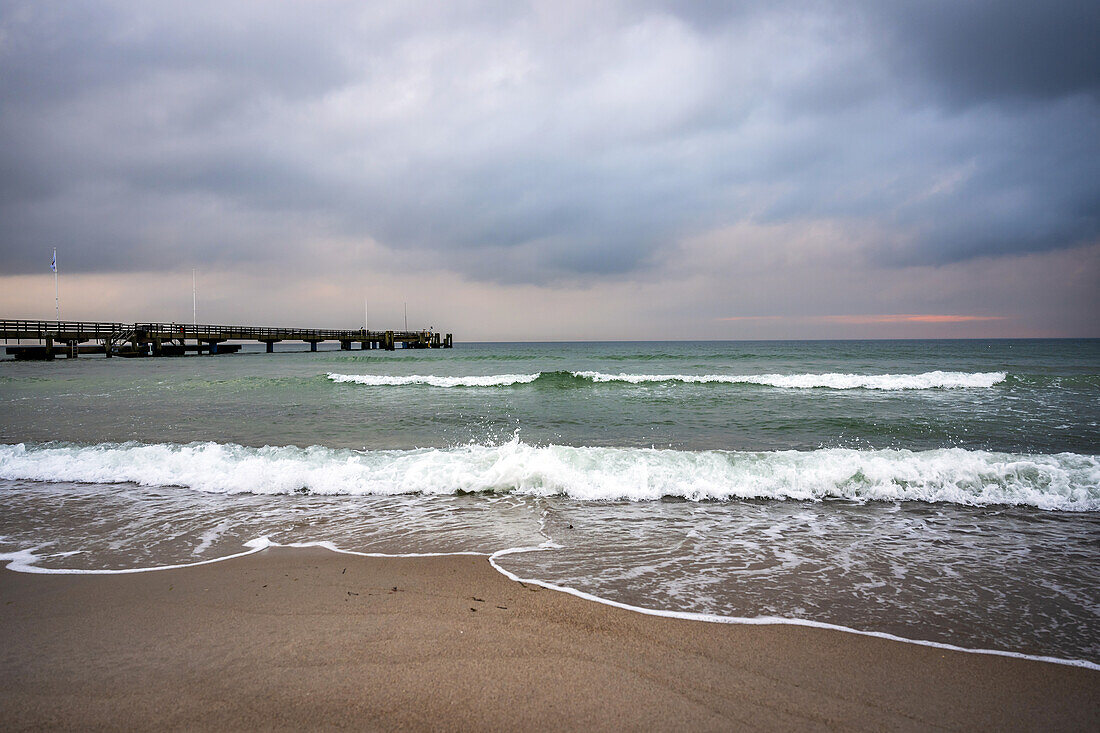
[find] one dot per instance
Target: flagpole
(56, 289)
(194, 302)
(366, 321)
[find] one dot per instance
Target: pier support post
(156, 347)
(312, 345)
(345, 346)
(49, 347)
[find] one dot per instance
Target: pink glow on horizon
(909, 318)
(871, 319)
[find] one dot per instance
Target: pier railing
(263, 333)
(207, 336)
(91, 330)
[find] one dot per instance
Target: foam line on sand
(24, 561)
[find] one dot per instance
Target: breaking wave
(927, 380)
(381, 380)
(1063, 481)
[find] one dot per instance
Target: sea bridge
(74, 338)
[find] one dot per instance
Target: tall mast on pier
(56, 291)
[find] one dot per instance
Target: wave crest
(927, 380)
(382, 380)
(1063, 481)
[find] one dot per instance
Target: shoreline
(307, 637)
(24, 562)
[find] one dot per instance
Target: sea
(941, 492)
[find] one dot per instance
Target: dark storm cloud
(983, 50)
(539, 143)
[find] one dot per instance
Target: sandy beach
(307, 638)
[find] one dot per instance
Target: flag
(53, 265)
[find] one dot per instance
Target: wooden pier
(74, 338)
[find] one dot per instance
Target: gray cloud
(982, 50)
(540, 144)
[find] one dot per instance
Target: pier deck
(68, 338)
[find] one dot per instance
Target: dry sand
(307, 638)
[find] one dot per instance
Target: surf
(1063, 481)
(836, 381)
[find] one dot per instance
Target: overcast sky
(556, 170)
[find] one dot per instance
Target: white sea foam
(381, 380)
(927, 380)
(26, 561)
(1064, 481)
(207, 538)
(762, 620)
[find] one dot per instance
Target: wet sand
(307, 638)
